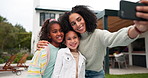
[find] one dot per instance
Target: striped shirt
(38, 67)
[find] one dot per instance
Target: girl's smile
(71, 40)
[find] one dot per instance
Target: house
(137, 51)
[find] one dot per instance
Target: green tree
(7, 35)
(13, 38)
(19, 28)
(2, 19)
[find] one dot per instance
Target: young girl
(43, 61)
(70, 63)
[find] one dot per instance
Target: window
(44, 16)
(139, 45)
(60, 15)
(52, 15)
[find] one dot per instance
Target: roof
(114, 22)
(52, 9)
(57, 9)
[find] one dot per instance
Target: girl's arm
(58, 65)
(34, 70)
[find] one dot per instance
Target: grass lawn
(127, 76)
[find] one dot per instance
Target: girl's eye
(54, 31)
(68, 39)
(74, 37)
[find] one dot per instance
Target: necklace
(75, 54)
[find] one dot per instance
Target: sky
(21, 11)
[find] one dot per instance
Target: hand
(42, 44)
(142, 25)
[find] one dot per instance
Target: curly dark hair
(64, 21)
(43, 35)
(87, 14)
(71, 30)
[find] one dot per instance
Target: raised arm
(140, 26)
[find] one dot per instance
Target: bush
(5, 58)
(30, 57)
(18, 57)
(16, 60)
(1, 60)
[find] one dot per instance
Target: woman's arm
(140, 26)
(42, 44)
(118, 38)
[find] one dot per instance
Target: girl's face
(77, 22)
(56, 35)
(72, 40)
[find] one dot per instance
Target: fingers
(42, 44)
(142, 15)
(38, 48)
(141, 22)
(43, 41)
(142, 10)
(144, 1)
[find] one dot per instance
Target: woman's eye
(79, 19)
(72, 24)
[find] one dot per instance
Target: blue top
(53, 55)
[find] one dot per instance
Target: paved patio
(9, 74)
(129, 70)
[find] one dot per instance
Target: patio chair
(21, 62)
(121, 61)
(8, 67)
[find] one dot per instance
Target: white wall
(35, 28)
(146, 47)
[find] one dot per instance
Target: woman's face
(72, 40)
(77, 22)
(56, 34)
